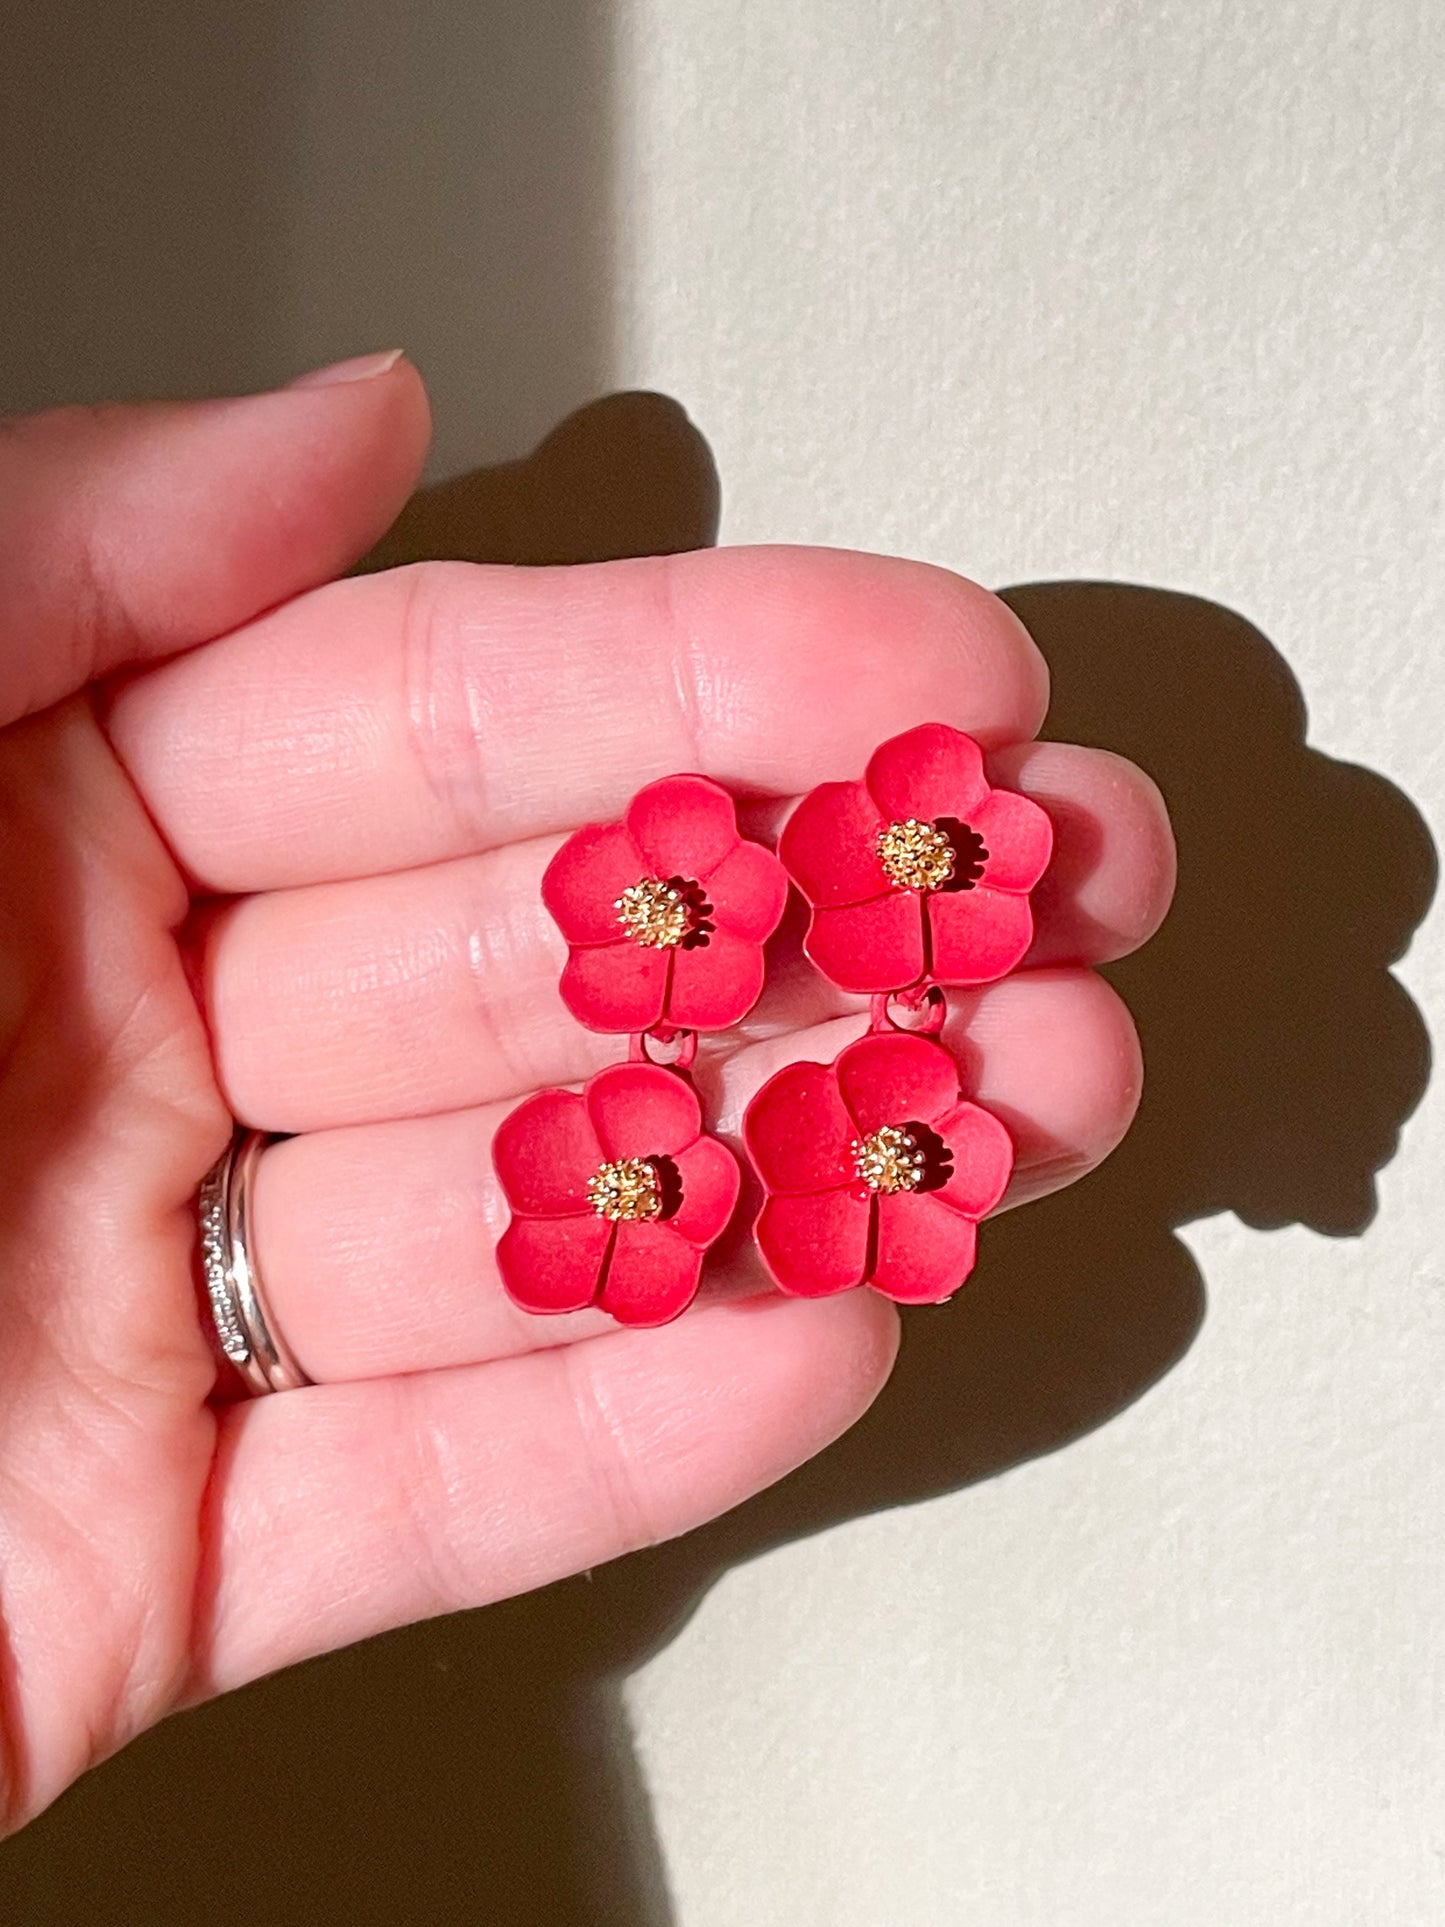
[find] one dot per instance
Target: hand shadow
(478, 1769)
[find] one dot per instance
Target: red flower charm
(665, 913)
(876, 1171)
(921, 872)
(615, 1196)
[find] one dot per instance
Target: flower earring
(875, 1168)
(616, 1192)
(920, 873)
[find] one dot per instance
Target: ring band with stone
(245, 1330)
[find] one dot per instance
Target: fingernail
(358, 368)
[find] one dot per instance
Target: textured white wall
(1149, 293)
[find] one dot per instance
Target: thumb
(133, 532)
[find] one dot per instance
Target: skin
(269, 847)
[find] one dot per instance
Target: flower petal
(652, 1275)
(925, 1251)
(930, 771)
(797, 1131)
(710, 1182)
(829, 845)
(815, 1245)
(553, 1264)
(748, 891)
(543, 1154)
(582, 883)
(869, 947)
(684, 826)
(1018, 836)
(894, 1077)
(983, 1160)
(714, 984)
(977, 935)
(615, 986)
(642, 1111)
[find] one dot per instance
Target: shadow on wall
(478, 1769)
(202, 198)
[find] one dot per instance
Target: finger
(377, 1243)
(133, 532)
(342, 1510)
(1111, 877)
(436, 988)
(438, 710)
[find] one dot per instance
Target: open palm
(271, 850)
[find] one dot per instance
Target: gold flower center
(655, 911)
(625, 1191)
(916, 855)
(890, 1160)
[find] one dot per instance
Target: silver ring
(244, 1328)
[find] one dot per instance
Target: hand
(320, 815)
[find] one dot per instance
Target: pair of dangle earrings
(874, 1169)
